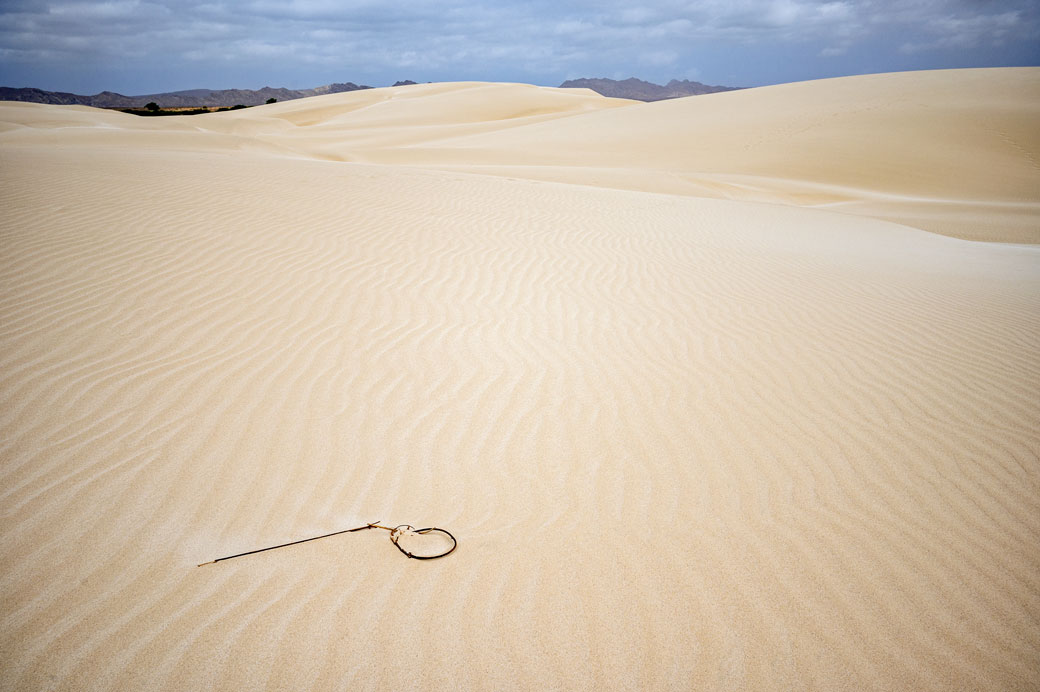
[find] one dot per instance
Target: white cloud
(98, 10)
(966, 32)
(572, 27)
(660, 58)
(513, 39)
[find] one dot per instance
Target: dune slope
(951, 151)
(684, 442)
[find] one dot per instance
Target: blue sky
(142, 46)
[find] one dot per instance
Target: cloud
(965, 32)
(306, 41)
(660, 58)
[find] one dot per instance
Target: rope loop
(398, 531)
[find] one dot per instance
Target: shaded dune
(955, 152)
(684, 442)
(950, 151)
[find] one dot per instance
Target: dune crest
(698, 419)
(955, 152)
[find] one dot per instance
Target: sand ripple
(683, 442)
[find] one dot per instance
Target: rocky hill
(174, 99)
(639, 90)
(196, 98)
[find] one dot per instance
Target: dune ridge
(685, 438)
(950, 151)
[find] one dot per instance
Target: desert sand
(731, 392)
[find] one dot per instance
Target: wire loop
(398, 531)
(395, 535)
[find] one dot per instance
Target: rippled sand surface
(738, 391)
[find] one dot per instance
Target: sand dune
(954, 152)
(698, 420)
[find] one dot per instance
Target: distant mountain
(639, 90)
(191, 98)
(196, 98)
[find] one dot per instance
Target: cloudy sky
(150, 46)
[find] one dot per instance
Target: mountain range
(639, 90)
(192, 98)
(195, 98)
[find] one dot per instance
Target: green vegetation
(152, 108)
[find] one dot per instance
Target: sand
(731, 392)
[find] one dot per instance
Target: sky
(152, 46)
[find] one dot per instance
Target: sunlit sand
(731, 392)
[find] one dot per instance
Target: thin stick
(373, 525)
